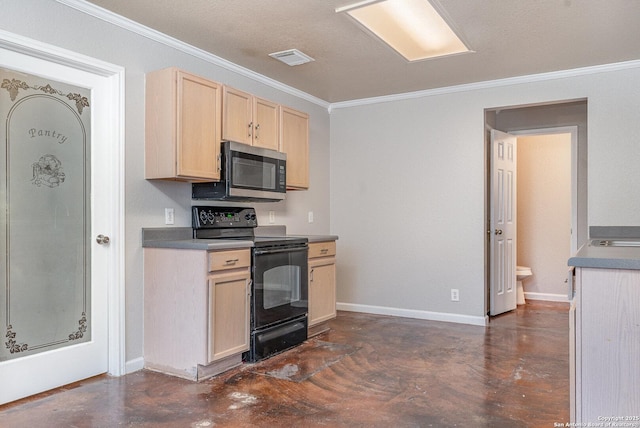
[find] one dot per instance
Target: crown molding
(137, 28)
(490, 84)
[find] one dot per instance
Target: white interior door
(502, 231)
(56, 196)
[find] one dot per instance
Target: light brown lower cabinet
(196, 310)
(605, 348)
(322, 285)
(229, 294)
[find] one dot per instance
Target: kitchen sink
(615, 243)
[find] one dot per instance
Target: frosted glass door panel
(45, 223)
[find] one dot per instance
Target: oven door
(280, 287)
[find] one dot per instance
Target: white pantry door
(55, 196)
(502, 229)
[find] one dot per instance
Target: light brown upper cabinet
(294, 141)
(182, 126)
(250, 120)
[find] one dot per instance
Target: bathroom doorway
(555, 134)
(546, 209)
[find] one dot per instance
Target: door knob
(498, 231)
(102, 240)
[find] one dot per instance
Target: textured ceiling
(509, 38)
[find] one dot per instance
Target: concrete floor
(368, 371)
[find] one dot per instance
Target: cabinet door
(572, 362)
(609, 315)
(237, 123)
(322, 290)
(198, 139)
(229, 300)
(294, 141)
(183, 114)
(266, 117)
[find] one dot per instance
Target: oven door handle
(280, 250)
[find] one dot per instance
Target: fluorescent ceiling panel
(412, 27)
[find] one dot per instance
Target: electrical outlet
(168, 216)
(272, 217)
(310, 216)
(455, 295)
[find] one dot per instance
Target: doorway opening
(551, 193)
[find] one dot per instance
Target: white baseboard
(134, 365)
(546, 296)
(411, 313)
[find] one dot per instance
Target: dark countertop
(180, 238)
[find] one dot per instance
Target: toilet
(522, 273)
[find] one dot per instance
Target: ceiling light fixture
(291, 57)
(413, 28)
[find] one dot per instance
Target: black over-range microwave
(249, 173)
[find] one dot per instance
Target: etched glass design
(45, 257)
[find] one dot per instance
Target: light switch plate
(168, 216)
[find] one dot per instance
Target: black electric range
(279, 274)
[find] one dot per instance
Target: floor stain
(242, 400)
(202, 424)
(285, 372)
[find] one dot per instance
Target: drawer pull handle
(231, 262)
(324, 251)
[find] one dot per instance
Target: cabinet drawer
(322, 249)
(221, 260)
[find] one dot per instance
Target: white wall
(544, 213)
(408, 183)
(59, 25)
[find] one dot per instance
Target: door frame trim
(115, 76)
(575, 192)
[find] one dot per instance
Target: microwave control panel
(206, 217)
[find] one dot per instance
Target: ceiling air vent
(291, 57)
